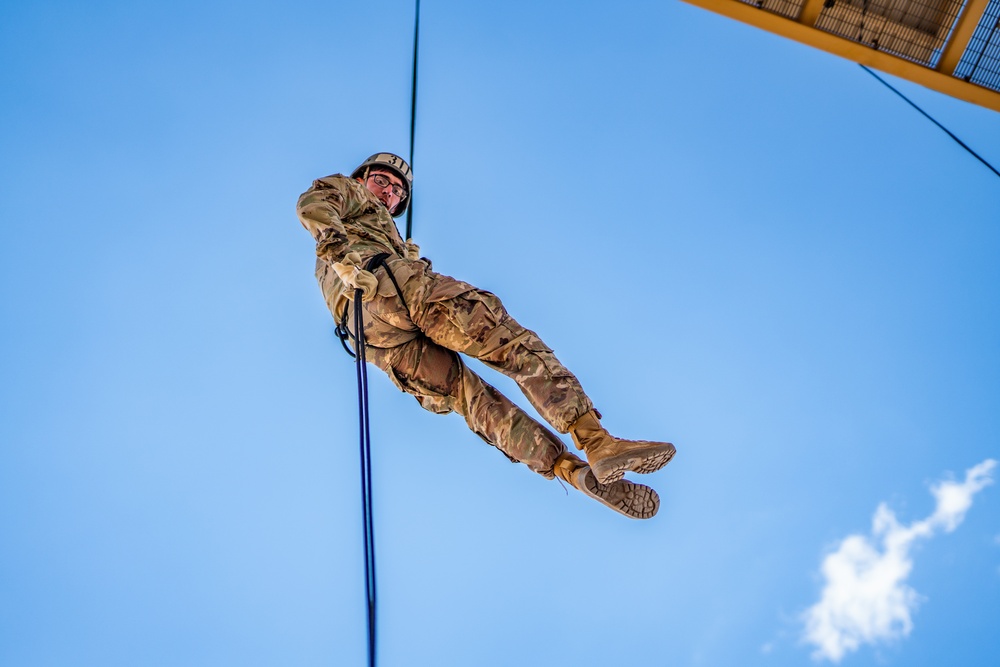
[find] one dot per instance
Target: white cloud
(866, 599)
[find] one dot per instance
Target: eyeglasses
(383, 182)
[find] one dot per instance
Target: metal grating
(951, 46)
(980, 63)
(913, 29)
(787, 8)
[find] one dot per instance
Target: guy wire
(928, 117)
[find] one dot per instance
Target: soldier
(417, 321)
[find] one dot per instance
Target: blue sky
(739, 244)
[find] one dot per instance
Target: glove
(412, 250)
(354, 277)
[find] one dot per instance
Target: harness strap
(379, 260)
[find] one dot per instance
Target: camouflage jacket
(343, 216)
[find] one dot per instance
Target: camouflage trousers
(417, 345)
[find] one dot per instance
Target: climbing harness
(341, 331)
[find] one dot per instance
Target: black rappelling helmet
(395, 164)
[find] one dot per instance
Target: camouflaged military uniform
(417, 344)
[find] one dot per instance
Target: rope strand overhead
(413, 115)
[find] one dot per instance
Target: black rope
(344, 333)
(413, 116)
(359, 357)
(928, 117)
(366, 469)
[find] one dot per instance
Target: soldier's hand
(359, 279)
(412, 250)
(354, 277)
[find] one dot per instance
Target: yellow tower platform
(952, 46)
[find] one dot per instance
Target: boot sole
(640, 461)
(635, 501)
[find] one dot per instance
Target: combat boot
(633, 500)
(610, 457)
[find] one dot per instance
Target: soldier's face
(388, 194)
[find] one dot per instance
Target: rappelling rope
(364, 428)
(413, 115)
(362, 372)
(366, 469)
(343, 333)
